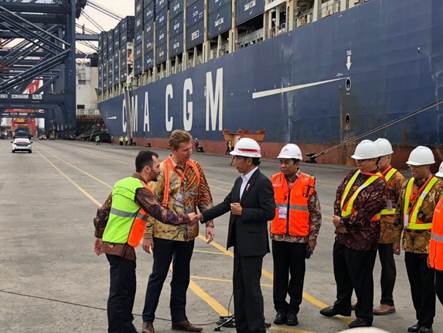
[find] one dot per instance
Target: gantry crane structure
(37, 43)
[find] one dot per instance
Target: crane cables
(100, 8)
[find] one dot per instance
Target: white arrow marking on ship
(348, 62)
(277, 91)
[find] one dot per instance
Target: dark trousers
(121, 295)
(180, 254)
(353, 271)
(388, 273)
(421, 280)
(439, 285)
(289, 259)
(248, 298)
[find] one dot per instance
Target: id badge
(282, 212)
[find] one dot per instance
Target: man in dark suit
(251, 203)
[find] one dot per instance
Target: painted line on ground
(211, 301)
(308, 297)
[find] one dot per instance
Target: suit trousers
(165, 251)
(289, 260)
(353, 271)
(248, 298)
(421, 280)
(121, 294)
(439, 285)
(388, 273)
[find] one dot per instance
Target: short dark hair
(255, 160)
(144, 158)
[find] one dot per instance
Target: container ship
(320, 73)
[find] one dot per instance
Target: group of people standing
(161, 204)
(376, 208)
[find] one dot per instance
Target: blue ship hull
(321, 84)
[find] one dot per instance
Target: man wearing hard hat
(419, 197)
(390, 228)
(251, 203)
(435, 259)
(294, 232)
(360, 198)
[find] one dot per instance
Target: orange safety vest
(138, 228)
(291, 212)
(168, 168)
(435, 258)
(347, 204)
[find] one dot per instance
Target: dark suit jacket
(248, 232)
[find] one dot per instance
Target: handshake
(195, 217)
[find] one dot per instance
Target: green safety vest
(410, 220)
(124, 211)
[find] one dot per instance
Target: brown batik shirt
(390, 226)
(361, 233)
(146, 199)
(417, 241)
(184, 197)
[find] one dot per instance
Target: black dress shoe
(330, 311)
(292, 319)
(424, 329)
(280, 318)
(359, 322)
(414, 328)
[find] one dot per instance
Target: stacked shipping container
(194, 23)
(148, 34)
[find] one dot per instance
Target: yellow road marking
(211, 301)
(207, 278)
(288, 330)
(308, 297)
(208, 252)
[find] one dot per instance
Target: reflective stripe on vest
(392, 171)
(291, 213)
(126, 222)
(347, 206)
(410, 220)
(168, 168)
(435, 257)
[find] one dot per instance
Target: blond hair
(177, 137)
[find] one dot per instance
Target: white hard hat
(421, 155)
(246, 147)
(384, 146)
(440, 171)
(365, 150)
(291, 150)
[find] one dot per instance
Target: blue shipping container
(161, 3)
(248, 9)
(175, 45)
(217, 4)
(147, 3)
(194, 35)
(160, 54)
(219, 21)
(149, 36)
(176, 25)
(148, 62)
(138, 8)
(175, 8)
(138, 50)
(149, 13)
(138, 66)
(161, 34)
(195, 12)
(161, 16)
(138, 23)
(138, 36)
